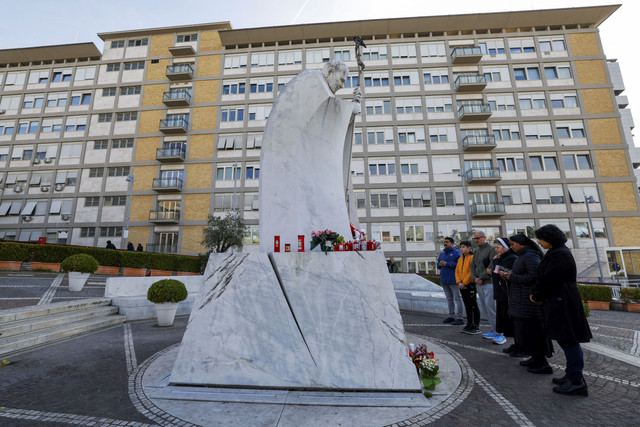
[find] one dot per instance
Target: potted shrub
(79, 267)
(630, 299)
(166, 294)
(598, 297)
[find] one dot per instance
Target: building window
(87, 232)
(235, 61)
(389, 233)
(137, 65)
(352, 81)
(183, 38)
(91, 201)
(501, 102)
(96, 172)
(538, 130)
(343, 54)
(33, 101)
(583, 231)
(376, 80)
(576, 162)
(413, 166)
(39, 77)
(552, 195)
(543, 163)
(510, 164)
(496, 74)
(111, 91)
(225, 173)
(557, 72)
(382, 167)
(551, 44)
(15, 79)
(442, 133)
(28, 127)
(110, 231)
(233, 88)
(408, 106)
(253, 172)
(521, 45)
(526, 73)
(439, 104)
(417, 198)
(374, 52)
(81, 99)
(223, 202)
(113, 67)
(449, 198)
(531, 101)
(289, 57)
(259, 112)
(265, 59)
(315, 56)
(122, 143)
(403, 51)
(377, 106)
(251, 236)
(411, 136)
(119, 171)
(101, 144)
(115, 200)
(233, 114)
(105, 117)
(75, 123)
(260, 86)
(578, 193)
(130, 90)
(491, 47)
(56, 100)
(564, 100)
(432, 50)
(570, 130)
(126, 117)
(85, 73)
(383, 200)
(117, 44)
(516, 195)
(436, 77)
(380, 136)
(138, 42)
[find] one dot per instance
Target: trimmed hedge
(595, 293)
(630, 294)
(434, 278)
(10, 251)
(81, 263)
(167, 290)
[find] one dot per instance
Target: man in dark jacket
(110, 245)
(482, 257)
(447, 262)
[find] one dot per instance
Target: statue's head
(336, 73)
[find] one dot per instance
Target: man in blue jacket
(447, 262)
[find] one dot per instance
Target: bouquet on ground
(326, 239)
(427, 366)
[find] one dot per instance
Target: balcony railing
(482, 175)
(469, 82)
(171, 154)
(489, 209)
(179, 72)
(167, 184)
(164, 216)
(466, 55)
(180, 97)
(173, 125)
(165, 249)
(477, 111)
(478, 142)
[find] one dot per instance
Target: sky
(44, 22)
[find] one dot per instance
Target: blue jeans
(454, 300)
(575, 359)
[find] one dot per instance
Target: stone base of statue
(296, 321)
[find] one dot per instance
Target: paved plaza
(96, 379)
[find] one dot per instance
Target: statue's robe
(302, 163)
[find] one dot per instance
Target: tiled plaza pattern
(95, 379)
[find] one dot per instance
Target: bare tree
(457, 236)
(223, 233)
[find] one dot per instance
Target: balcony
(182, 50)
(489, 209)
(466, 55)
(179, 72)
(478, 143)
(469, 83)
(482, 176)
(173, 126)
(164, 216)
(176, 98)
(479, 111)
(164, 249)
(170, 154)
(167, 184)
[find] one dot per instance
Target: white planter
(77, 280)
(166, 312)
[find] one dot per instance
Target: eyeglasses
(476, 238)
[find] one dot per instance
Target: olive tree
(223, 233)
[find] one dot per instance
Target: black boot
(560, 381)
(509, 349)
(529, 362)
(540, 369)
(574, 386)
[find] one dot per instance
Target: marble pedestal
(296, 321)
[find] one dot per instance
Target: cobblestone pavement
(88, 380)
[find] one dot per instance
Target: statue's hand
(357, 94)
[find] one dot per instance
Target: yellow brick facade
(152, 95)
(146, 149)
(619, 196)
(201, 146)
(191, 238)
(591, 72)
(139, 235)
(140, 207)
(585, 44)
(604, 131)
(206, 91)
(157, 71)
(160, 45)
(204, 118)
(625, 230)
(197, 207)
(210, 41)
(597, 101)
(208, 65)
(199, 175)
(144, 176)
(150, 121)
(612, 163)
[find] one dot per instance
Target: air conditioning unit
(3, 111)
(26, 218)
(65, 217)
(18, 189)
(547, 53)
(59, 187)
(36, 161)
(47, 160)
(44, 188)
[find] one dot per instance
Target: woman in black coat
(503, 261)
(527, 316)
(563, 314)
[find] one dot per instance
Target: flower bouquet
(326, 239)
(427, 367)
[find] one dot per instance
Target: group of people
(523, 293)
(130, 246)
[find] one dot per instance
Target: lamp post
(466, 199)
(235, 168)
(125, 235)
(587, 200)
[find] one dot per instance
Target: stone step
(25, 326)
(57, 333)
(30, 312)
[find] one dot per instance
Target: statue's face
(336, 80)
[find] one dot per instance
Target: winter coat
(482, 257)
(448, 272)
(524, 276)
(500, 285)
(562, 312)
(463, 273)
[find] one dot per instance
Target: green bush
(432, 277)
(15, 252)
(587, 310)
(595, 293)
(81, 263)
(628, 295)
(167, 290)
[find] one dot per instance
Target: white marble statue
(306, 154)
